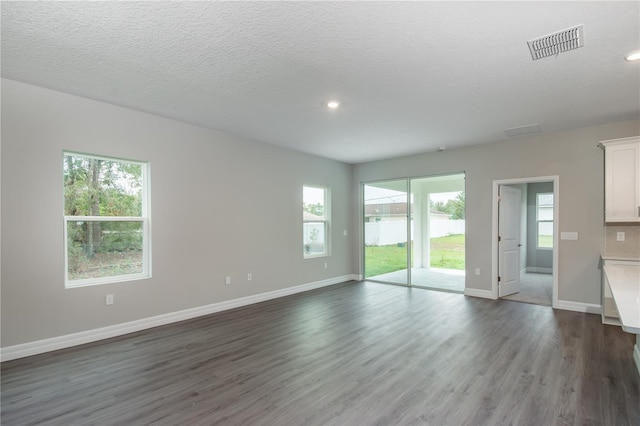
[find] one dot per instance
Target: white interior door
(508, 240)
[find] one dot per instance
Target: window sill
(314, 256)
(105, 280)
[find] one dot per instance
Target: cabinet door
(622, 182)
(609, 308)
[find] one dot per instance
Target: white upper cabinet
(622, 180)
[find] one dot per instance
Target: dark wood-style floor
(351, 354)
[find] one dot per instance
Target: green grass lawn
(382, 259)
(446, 252)
(545, 241)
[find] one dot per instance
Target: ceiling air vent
(529, 129)
(558, 42)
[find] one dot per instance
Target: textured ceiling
(411, 76)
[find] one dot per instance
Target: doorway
(414, 232)
(525, 229)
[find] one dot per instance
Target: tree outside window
(105, 219)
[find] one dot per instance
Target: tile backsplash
(630, 247)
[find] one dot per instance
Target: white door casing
(493, 294)
(508, 240)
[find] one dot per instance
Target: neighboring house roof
(385, 209)
(393, 209)
(439, 213)
(311, 216)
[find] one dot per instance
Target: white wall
(572, 155)
(220, 206)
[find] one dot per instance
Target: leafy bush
(78, 261)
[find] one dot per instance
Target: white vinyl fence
(393, 232)
(453, 227)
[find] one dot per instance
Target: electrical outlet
(249, 276)
(227, 280)
(109, 299)
(326, 265)
(477, 271)
(620, 236)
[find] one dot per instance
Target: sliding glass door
(385, 231)
(414, 232)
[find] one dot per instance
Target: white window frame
(144, 219)
(326, 222)
(539, 221)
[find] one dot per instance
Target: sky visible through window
(313, 195)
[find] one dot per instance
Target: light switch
(568, 235)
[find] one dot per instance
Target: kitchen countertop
(624, 281)
(625, 258)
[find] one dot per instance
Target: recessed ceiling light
(333, 104)
(633, 56)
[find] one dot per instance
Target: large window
(315, 211)
(544, 218)
(106, 220)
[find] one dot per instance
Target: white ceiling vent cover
(529, 129)
(558, 42)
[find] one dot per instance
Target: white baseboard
(474, 292)
(539, 270)
(588, 308)
(636, 356)
(69, 340)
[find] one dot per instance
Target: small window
(106, 220)
(315, 211)
(544, 218)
